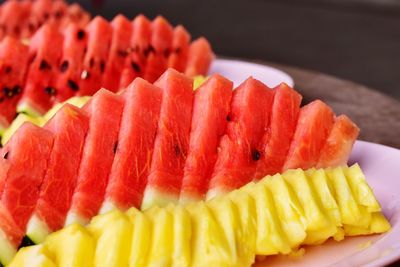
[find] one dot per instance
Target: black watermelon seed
(228, 118)
(64, 66)
(255, 155)
(122, 53)
(26, 242)
(115, 147)
(149, 50)
(81, 34)
(177, 150)
(7, 69)
(166, 52)
(73, 85)
(44, 65)
(50, 90)
(135, 66)
(46, 16)
(59, 14)
(8, 92)
(6, 155)
(91, 63)
(102, 66)
(16, 90)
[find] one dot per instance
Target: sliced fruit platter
(117, 151)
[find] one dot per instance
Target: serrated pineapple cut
(361, 190)
(182, 231)
(33, 256)
(209, 246)
(112, 233)
(141, 233)
(270, 239)
(72, 246)
(246, 230)
(161, 240)
(348, 207)
(290, 212)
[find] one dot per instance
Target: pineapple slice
(348, 207)
(361, 190)
(223, 210)
(209, 246)
(181, 254)
(246, 231)
(33, 256)
(71, 246)
(112, 233)
(379, 224)
(161, 248)
(290, 212)
(271, 239)
(141, 232)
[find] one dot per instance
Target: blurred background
(358, 40)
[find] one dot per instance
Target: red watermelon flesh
(69, 126)
(75, 14)
(239, 147)
(122, 31)
(276, 140)
(70, 67)
(12, 16)
(211, 107)
(160, 49)
(105, 110)
(172, 141)
(337, 148)
(39, 92)
(313, 127)
(28, 152)
(99, 40)
(4, 167)
(132, 160)
(180, 49)
(200, 57)
(13, 62)
(140, 42)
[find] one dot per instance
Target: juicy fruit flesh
(211, 233)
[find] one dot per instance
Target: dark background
(357, 40)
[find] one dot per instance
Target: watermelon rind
(37, 230)
(17, 122)
(72, 218)
(26, 107)
(107, 207)
(7, 250)
(153, 197)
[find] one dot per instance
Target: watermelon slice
(75, 14)
(99, 40)
(276, 141)
(132, 159)
(172, 140)
(105, 110)
(140, 43)
(69, 126)
(312, 130)
(122, 31)
(70, 67)
(13, 15)
(200, 57)
(337, 148)
(160, 49)
(180, 49)
(211, 107)
(239, 147)
(27, 152)
(39, 91)
(13, 62)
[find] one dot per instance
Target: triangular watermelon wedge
(132, 159)
(172, 140)
(212, 104)
(180, 49)
(105, 111)
(69, 126)
(199, 58)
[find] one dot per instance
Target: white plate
(381, 165)
(238, 71)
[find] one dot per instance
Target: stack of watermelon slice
(158, 143)
(21, 18)
(79, 61)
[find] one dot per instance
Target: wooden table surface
(377, 114)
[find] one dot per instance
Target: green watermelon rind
(7, 250)
(37, 230)
(26, 107)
